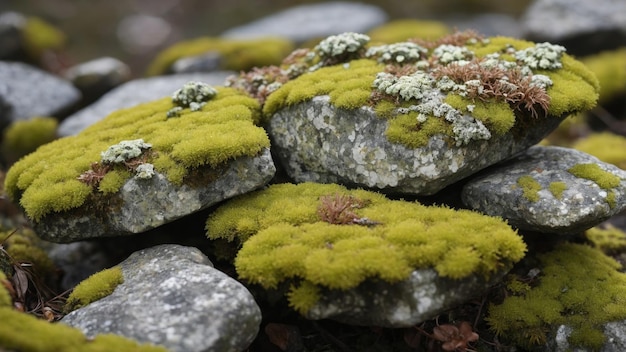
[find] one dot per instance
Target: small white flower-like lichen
(447, 53)
(193, 95)
(467, 129)
(544, 56)
(397, 52)
(337, 45)
(144, 171)
(124, 151)
(414, 86)
(541, 81)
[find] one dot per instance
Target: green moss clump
(24, 136)
(25, 333)
(5, 297)
(95, 287)
(39, 36)
(557, 188)
(579, 287)
(237, 55)
(593, 172)
(23, 246)
(285, 239)
(606, 146)
(610, 69)
(610, 240)
(496, 115)
(224, 129)
(530, 187)
(401, 30)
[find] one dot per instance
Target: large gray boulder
(173, 297)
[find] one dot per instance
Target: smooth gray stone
(98, 76)
(173, 297)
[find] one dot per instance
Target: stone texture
(582, 26)
(133, 93)
(582, 205)
(319, 143)
(96, 77)
(173, 297)
(422, 296)
(310, 21)
(31, 92)
(143, 204)
(615, 333)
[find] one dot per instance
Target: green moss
(24, 136)
(496, 115)
(530, 187)
(5, 297)
(579, 286)
(610, 198)
(224, 129)
(39, 36)
(575, 88)
(610, 69)
(113, 181)
(95, 287)
(610, 240)
(595, 173)
(23, 246)
(285, 240)
(606, 146)
(557, 188)
(236, 55)
(401, 30)
(25, 333)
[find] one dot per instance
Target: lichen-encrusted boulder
(172, 296)
(145, 166)
(360, 258)
(411, 118)
(550, 190)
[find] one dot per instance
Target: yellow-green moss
(593, 172)
(24, 246)
(39, 36)
(236, 55)
(610, 240)
(25, 333)
(401, 30)
(224, 129)
(24, 136)
(579, 286)
(557, 188)
(5, 297)
(496, 115)
(284, 239)
(95, 287)
(610, 69)
(530, 187)
(610, 198)
(606, 146)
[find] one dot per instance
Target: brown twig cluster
(257, 82)
(455, 337)
(338, 209)
(97, 171)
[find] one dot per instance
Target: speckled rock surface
(143, 204)
(614, 332)
(582, 26)
(173, 297)
(304, 22)
(582, 205)
(317, 142)
(133, 93)
(30, 92)
(421, 297)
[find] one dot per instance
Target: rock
(96, 77)
(583, 27)
(317, 142)
(422, 296)
(132, 93)
(538, 191)
(490, 24)
(31, 92)
(207, 62)
(78, 261)
(614, 333)
(11, 24)
(310, 21)
(173, 297)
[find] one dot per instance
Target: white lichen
(544, 56)
(397, 53)
(338, 45)
(447, 53)
(124, 151)
(193, 95)
(414, 86)
(144, 171)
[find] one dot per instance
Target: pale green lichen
(578, 286)
(144, 171)
(595, 173)
(285, 239)
(46, 181)
(557, 188)
(124, 151)
(544, 56)
(95, 287)
(193, 95)
(341, 45)
(403, 52)
(447, 53)
(530, 187)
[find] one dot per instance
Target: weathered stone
(305, 22)
(96, 77)
(206, 62)
(143, 204)
(582, 203)
(31, 92)
(318, 142)
(172, 296)
(421, 297)
(615, 334)
(130, 94)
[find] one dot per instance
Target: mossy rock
(236, 55)
(24, 246)
(24, 136)
(400, 30)
(188, 152)
(606, 146)
(609, 239)
(95, 287)
(578, 286)
(297, 235)
(23, 332)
